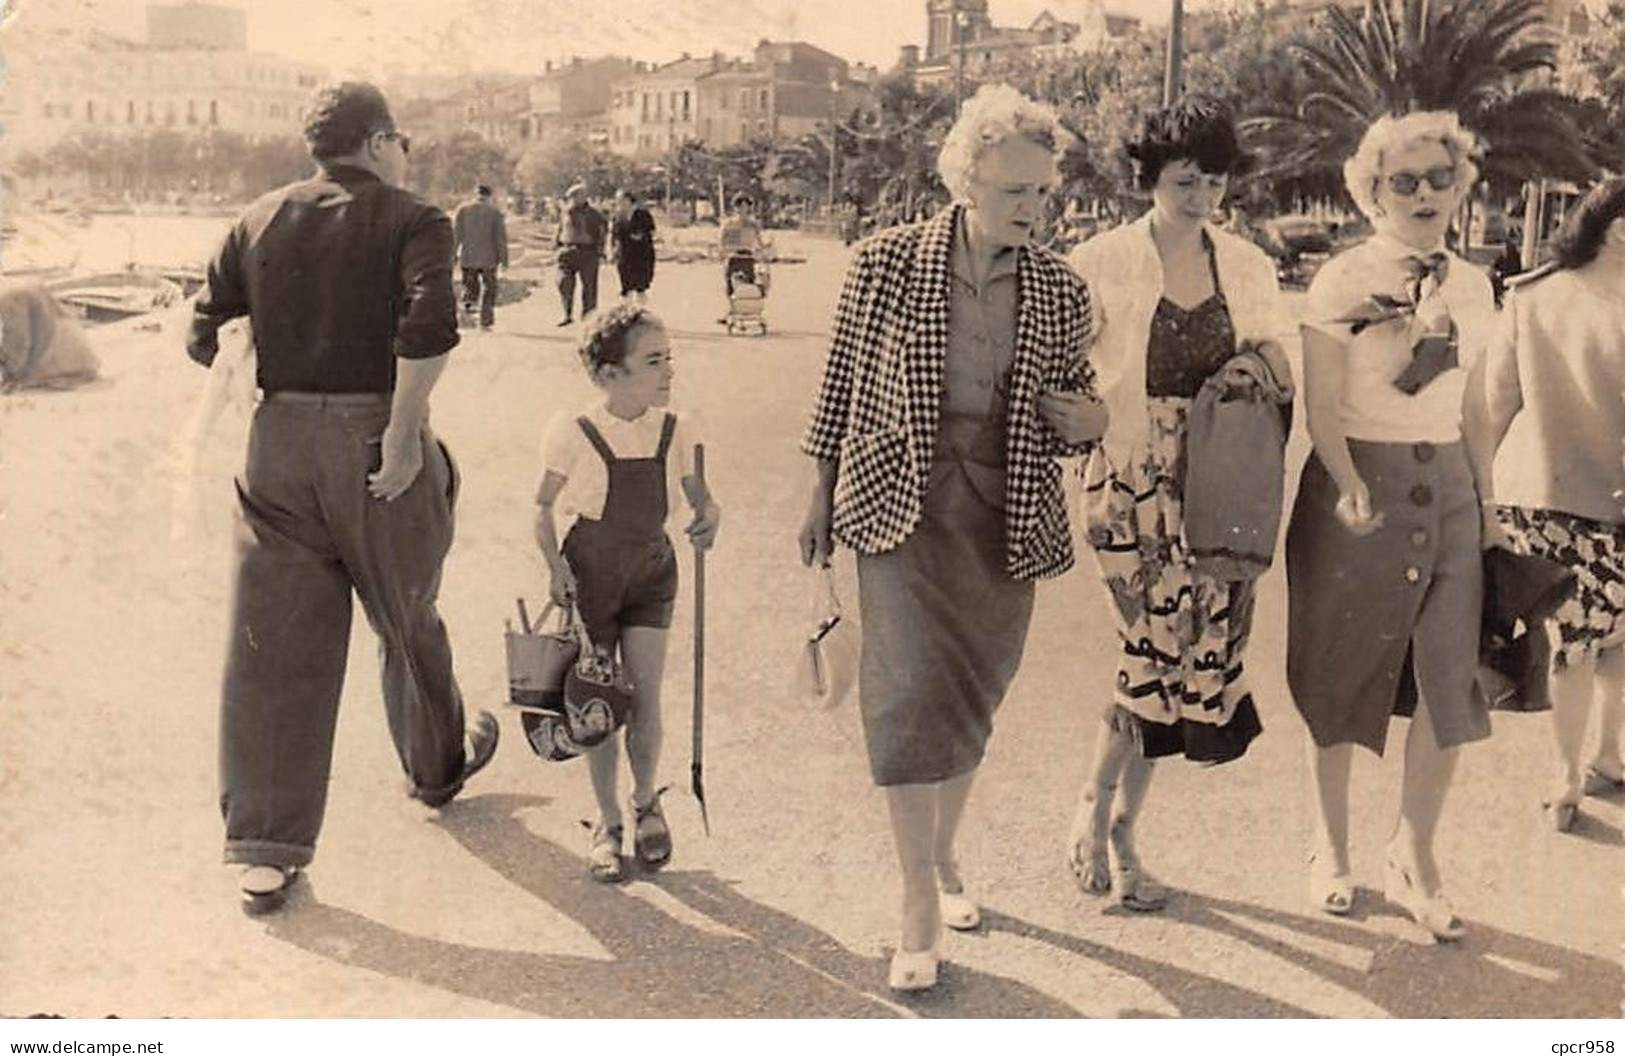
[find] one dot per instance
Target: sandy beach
(111, 638)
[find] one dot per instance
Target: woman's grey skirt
(1374, 620)
(944, 626)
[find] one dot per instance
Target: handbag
(1236, 468)
(597, 696)
(1521, 592)
(827, 667)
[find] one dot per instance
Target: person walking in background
(955, 379)
(580, 240)
(1180, 297)
(346, 279)
(740, 244)
(634, 246)
(1549, 422)
(1384, 570)
(482, 248)
(615, 471)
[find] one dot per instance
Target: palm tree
(1483, 59)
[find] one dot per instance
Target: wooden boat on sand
(115, 295)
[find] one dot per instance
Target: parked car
(1301, 244)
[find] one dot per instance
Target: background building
(963, 32)
(59, 84)
(572, 100)
(655, 109)
(784, 90)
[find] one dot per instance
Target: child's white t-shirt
(567, 452)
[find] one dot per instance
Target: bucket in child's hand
(539, 659)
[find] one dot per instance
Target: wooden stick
(697, 766)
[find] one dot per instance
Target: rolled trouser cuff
(268, 852)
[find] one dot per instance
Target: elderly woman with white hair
(956, 377)
(1384, 574)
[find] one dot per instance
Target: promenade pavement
(115, 901)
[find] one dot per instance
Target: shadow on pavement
(1490, 974)
(777, 966)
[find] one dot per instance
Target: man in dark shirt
(482, 247)
(346, 280)
(581, 237)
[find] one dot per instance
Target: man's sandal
(264, 888)
(651, 836)
(604, 853)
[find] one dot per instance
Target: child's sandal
(651, 836)
(604, 853)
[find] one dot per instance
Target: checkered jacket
(877, 409)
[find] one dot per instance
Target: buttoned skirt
(944, 627)
(1375, 620)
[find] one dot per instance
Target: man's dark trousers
(573, 261)
(309, 532)
(480, 286)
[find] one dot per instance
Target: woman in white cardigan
(1178, 297)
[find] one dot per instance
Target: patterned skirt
(1594, 619)
(1181, 687)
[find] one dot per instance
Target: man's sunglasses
(405, 140)
(1405, 184)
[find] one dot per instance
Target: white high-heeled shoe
(1329, 891)
(1435, 913)
(959, 911)
(913, 969)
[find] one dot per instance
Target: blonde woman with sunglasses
(1384, 580)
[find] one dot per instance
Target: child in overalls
(612, 469)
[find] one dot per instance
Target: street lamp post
(671, 158)
(1173, 71)
(956, 38)
(834, 117)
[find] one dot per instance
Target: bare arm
(1325, 365)
(562, 587)
(707, 514)
(1484, 427)
(1490, 404)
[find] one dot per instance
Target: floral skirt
(1594, 619)
(1181, 687)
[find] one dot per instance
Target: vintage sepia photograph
(812, 510)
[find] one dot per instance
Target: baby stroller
(747, 280)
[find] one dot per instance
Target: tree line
(1304, 83)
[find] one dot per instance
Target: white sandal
(913, 969)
